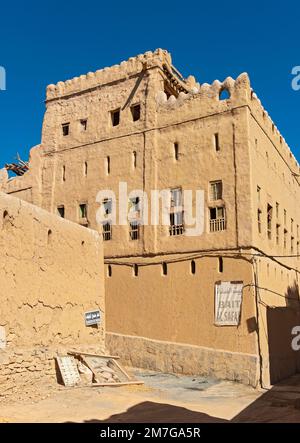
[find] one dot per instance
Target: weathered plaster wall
(179, 308)
(51, 273)
(274, 182)
(181, 358)
(277, 291)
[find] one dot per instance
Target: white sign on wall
(228, 303)
(92, 318)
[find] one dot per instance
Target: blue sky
(44, 42)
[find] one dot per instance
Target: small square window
(115, 117)
(176, 213)
(176, 197)
(134, 204)
(83, 210)
(107, 206)
(61, 211)
(107, 231)
(217, 219)
(217, 213)
(65, 129)
(136, 112)
(83, 125)
(134, 230)
(216, 190)
(176, 223)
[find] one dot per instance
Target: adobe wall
(274, 170)
(51, 273)
(180, 358)
(175, 313)
(278, 313)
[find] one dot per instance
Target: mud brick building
(142, 123)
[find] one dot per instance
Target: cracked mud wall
(51, 273)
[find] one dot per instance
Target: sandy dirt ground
(163, 398)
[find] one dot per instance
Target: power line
(230, 254)
(269, 290)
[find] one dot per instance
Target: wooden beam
(115, 357)
(123, 383)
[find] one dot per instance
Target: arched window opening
(224, 94)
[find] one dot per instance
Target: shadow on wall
(292, 296)
(284, 361)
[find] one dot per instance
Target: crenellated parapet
(203, 100)
(271, 130)
(234, 88)
(125, 69)
(189, 99)
(208, 97)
